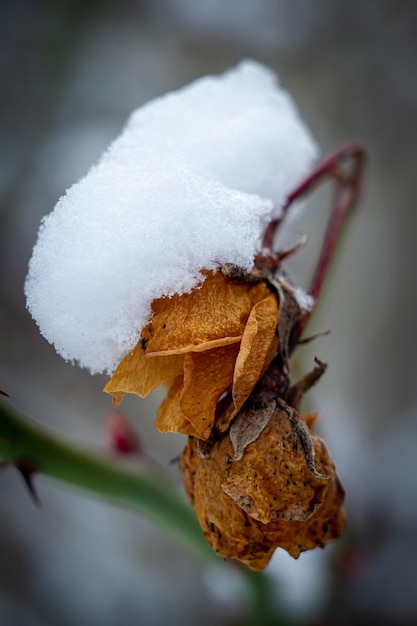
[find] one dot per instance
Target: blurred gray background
(71, 72)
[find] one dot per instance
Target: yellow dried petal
(206, 376)
(232, 409)
(256, 343)
(212, 315)
(170, 418)
(117, 397)
(196, 337)
(138, 374)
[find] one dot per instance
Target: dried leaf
(247, 427)
(289, 312)
(225, 525)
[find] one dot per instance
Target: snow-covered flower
(150, 268)
(218, 338)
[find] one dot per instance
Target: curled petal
(255, 349)
(196, 338)
(170, 418)
(206, 376)
(211, 316)
(140, 375)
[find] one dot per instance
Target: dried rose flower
(220, 336)
(257, 475)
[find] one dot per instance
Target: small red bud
(121, 437)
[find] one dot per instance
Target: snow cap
(191, 182)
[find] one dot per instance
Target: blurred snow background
(71, 72)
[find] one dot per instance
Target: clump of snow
(304, 299)
(191, 182)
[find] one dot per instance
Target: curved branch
(330, 167)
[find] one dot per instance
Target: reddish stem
(346, 197)
(348, 183)
(331, 167)
(347, 192)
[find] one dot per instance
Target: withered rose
(281, 491)
(219, 337)
(256, 474)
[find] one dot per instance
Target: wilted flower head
(257, 475)
(219, 338)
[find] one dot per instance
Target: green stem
(127, 482)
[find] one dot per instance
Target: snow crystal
(190, 183)
(304, 299)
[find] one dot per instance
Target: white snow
(304, 299)
(190, 183)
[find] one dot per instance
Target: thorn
(289, 252)
(27, 475)
(323, 333)
(306, 382)
(3, 393)
(267, 263)
(27, 469)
